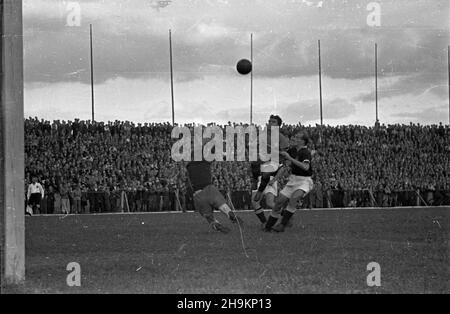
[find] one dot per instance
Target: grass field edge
(249, 211)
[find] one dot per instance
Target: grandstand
(355, 166)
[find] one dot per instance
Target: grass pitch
(324, 252)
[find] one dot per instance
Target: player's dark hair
(275, 117)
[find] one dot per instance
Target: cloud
(131, 52)
(56, 56)
(307, 111)
(131, 40)
(427, 116)
(416, 84)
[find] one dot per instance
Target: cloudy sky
(209, 36)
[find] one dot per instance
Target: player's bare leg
(231, 215)
(259, 211)
(265, 179)
(270, 200)
(289, 211)
(258, 197)
(283, 213)
(280, 203)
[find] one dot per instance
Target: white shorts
(270, 188)
(297, 183)
(270, 167)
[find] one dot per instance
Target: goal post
(12, 146)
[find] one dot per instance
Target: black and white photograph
(225, 152)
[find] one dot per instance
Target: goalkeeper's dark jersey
(199, 174)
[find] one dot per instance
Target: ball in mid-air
(244, 67)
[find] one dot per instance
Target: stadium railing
(172, 201)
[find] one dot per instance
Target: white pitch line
(248, 211)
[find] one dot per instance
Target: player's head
(34, 179)
(301, 139)
(275, 121)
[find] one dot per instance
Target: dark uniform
(303, 155)
(206, 195)
(300, 179)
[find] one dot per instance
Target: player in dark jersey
(299, 185)
(263, 173)
(207, 197)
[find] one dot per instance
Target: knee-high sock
(287, 214)
(273, 218)
(259, 212)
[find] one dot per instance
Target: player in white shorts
(268, 195)
(299, 185)
(265, 172)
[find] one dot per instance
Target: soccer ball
(244, 67)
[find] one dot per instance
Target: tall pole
(12, 156)
(92, 76)
(171, 78)
(251, 79)
(448, 63)
(320, 87)
(376, 82)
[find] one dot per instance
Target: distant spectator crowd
(116, 166)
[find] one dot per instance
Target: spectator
(76, 196)
(50, 201)
(35, 195)
(85, 206)
(58, 202)
(65, 201)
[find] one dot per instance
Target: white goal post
(12, 194)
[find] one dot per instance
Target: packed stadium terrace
(125, 166)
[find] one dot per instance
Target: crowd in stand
(92, 164)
